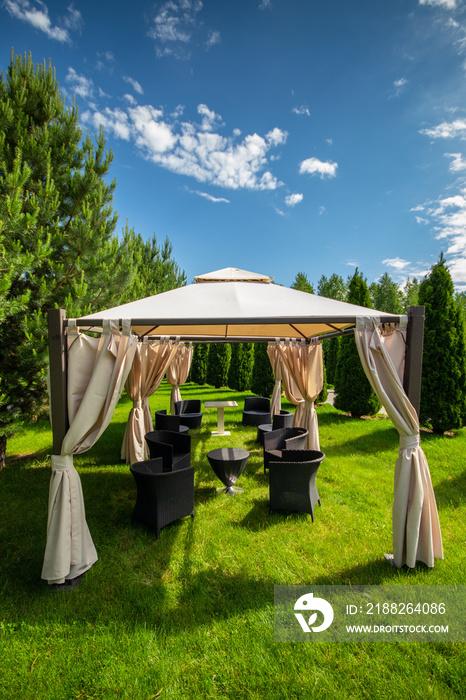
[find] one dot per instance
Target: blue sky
(277, 136)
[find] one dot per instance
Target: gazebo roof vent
(233, 274)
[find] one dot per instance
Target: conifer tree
(333, 287)
(302, 284)
(443, 389)
(218, 364)
(198, 371)
(240, 372)
(386, 295)
(353, 391)
(410, 293)
(262, 381)
(58, 246)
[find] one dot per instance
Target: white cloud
(175, 26)
(396, 263)
(449, 219)
(301, 111)
(150, 133)
(195, 150)
(213, 38)
(210, 119)
(115, 120)
(134, 84)
(174, 20)
(36, 14)
(458, 163)
(293, 199)
(447, 4)
(398, 86)
(265, 4)
(205, 195)
(447, 130)
(314, 166)
(79, 84)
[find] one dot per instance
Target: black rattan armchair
(164, 421)
(282, 439)
(189, 412)
(174, 448)
(162, 497)
(284, 419)
(256, 410)
(292, 481)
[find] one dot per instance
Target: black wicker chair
(282, 439)
(292, 481)
(164, 421)
(174, 448)
(284, 419)
(162, 497)
(189, 412)
(256, 410)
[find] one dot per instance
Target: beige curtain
(416, 527)
(150, 364)
(97, 371)
(304, 363)
(273, 351)
(177, 372)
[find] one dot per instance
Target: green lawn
(191, 615)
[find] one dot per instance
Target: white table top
(220, 404)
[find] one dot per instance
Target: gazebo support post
(58, 379)
(413, 359)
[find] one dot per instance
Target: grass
(191, 616)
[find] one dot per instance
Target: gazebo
(87, 376)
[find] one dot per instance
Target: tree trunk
(3, 439)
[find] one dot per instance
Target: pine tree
(443, 389)
(154, 269)
(410, 293)
(198, 371)
(353, 391)
(386, 295)
(302, 283)
(218, 364)
(58, 246)
(262, 381)
(332, 288)
(240, 372)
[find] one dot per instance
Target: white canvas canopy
(235, 305)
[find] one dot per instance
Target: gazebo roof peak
(233, 274)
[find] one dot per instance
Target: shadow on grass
(451, 491)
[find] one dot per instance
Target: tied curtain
(273, 351)
(281, 374)
(177, 372)
(97, 371)
(303, 362)
(416, 527)
(150, 364)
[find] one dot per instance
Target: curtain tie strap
(410, 442)
(61, 463)
(137, 403)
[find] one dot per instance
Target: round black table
(228, 464)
